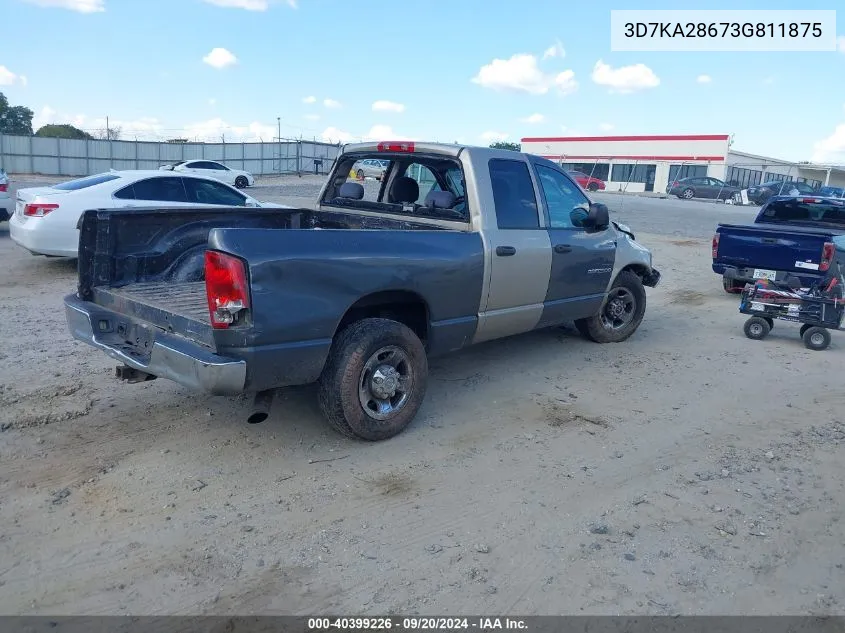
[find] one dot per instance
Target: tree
(15, 119)
(514, 147)
(109, 133)
(62, 130)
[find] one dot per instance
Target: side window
(567, 205)
(127, 193)
(217, 167)
(160, 190)
(425, 179)
(208, 192)
(513, 195)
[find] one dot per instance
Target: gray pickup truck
(454, 246)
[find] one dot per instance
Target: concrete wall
(73, 157)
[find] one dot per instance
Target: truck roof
(412, 147)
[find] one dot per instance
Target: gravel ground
(688, 470)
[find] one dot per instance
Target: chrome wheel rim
(386, 382)
(756, 329)
(817, 339)
(619, 309)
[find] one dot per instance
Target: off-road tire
(592, 327)
(756, 328)
(339, 382)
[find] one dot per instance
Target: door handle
(505, 251)
(562, 248)
(769, 240)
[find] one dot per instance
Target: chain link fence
(79, 157)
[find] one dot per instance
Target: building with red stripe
(650, 163)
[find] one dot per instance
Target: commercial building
(650, 163)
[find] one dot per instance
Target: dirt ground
(688, 470)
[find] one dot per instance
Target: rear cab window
(414, 184)
(805, 211)
(88, 181)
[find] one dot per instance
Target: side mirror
(598, 218)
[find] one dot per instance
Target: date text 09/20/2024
(417, 624)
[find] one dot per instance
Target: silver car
(370, 168)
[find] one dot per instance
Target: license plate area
(761, 273)
(132, 339)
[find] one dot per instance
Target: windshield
(88, 181)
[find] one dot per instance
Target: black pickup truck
(454, 246)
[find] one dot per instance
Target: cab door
(517, 253)
(582, 259)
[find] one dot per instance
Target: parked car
(370, 168)
(357, 294)
(790, 236)
(831, 192)
(5, 199)
(759, 194)
(587, 182)
(701, 187)
(210, 169)
(45, 218)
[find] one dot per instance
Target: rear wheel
(688, 194)
(816, 338)
(732, 286)
(621, 312)
(241, 182)
(592, 187)
(375, 379)
(757, 328)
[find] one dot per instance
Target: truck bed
(179, 308)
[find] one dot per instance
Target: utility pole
(279, 126)
(108, 131)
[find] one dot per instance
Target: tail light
(675, 184)
(396, 146)
(226, 288)
(4, 186)
(715, 250)
(39, 209)
(828, 253)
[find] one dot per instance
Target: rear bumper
(40, 239)
(171, 357)
(746, 274)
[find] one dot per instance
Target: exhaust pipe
(261, 406)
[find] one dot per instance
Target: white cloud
(492, 136)
(840, 43)
(144, 129)
(7, 77)
(521, 73)
(385, 133)
(248, 5)
(24, 81)
(566, 83)
(704, 79)
(832, 148)
(334, 135)
(388, 106)
(331, 103)
(220, 58)
(625, 79)
(606, 127)
(80, 6)
(215, 129)
(555, 50)
(311, 99)
(312, 117)
(534, 118)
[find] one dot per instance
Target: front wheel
(757, 328)
(621, 312)
(375, 379)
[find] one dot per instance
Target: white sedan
(5, 198)
(211, 169)
(45, 218)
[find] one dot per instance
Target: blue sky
(151, 66)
